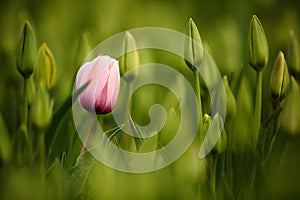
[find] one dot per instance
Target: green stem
(257, 112)
(275, 130)
(198, 94)
(42, 150)
(126, 138)
(25, 104)
(229, 168)
(24, 121)
(213, 170)
(93, 119)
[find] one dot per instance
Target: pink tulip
(102, 92)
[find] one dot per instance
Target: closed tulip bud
(220, 146)
(45, 72)
(230, 100)
(41, 110)
(291, 114)
(83, 49)
(193, 48)
(31, 91)
(293, 55)
(102, 92)
(131, 57)
(279, 82)
(27, 51)
(258, 49)
(206, 124)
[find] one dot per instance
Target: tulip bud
(291, 114)
(258, 49)
(293, 55)
(131, 57)
(30, 87)
(206, 124)
(280, 80)
(230, 100)
(41, 110)
(103, 76)
(45, 67)
(193, 48)
(27, 51)
(220, 146)
(83, 49)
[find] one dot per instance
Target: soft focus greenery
(45, 164)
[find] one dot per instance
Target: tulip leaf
(80, 172)
(60, 113)
(5, 143)
(110, 134)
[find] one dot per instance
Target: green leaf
(149, 144)
(80, 172)
(58, 115)
(5, 143)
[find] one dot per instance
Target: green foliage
(40, 155)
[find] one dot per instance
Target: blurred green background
(223, 26)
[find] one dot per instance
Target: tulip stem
(41, 146)
(275, 130)
(88, 134)
(212, 169)
(198, 93)
(257, 112)
(24, 119)
(229, 167)
(126, 137)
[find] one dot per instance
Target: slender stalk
(275, 130)
(198, 94)
(213, 170)
(24, 120)
(88, 134)
(257, 112)
(229, 168)
(42, 149)
(25, 104)
(126, 137)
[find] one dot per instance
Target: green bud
(193, 48)
(206, 124)
(130, 59)
(83, 49)
(41, 110)
(45, 67)
(230, 100)
(291, 114)
(220, 146)
(31, 91)
(258, 49)
(279, 82)
(27, 51)
(293, 55)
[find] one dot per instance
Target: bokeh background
(223, 26)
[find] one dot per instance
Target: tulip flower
(103, 76)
